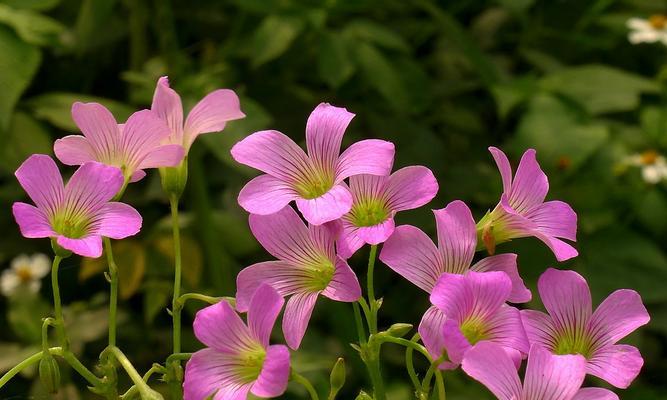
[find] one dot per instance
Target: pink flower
(132, 147)
(78, 214)
(307, 266)
(238, 358)
(211, 114)
(474, 310)
(573, 328)
(548, 377)
(412, 254)
(313, 180)
(375, 201)
(522, 211)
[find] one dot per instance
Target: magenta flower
(211, 114)
(375, 201)
(548, 377)
(132, 147)
(474, 310)
(238, 359)
(313, 180)
(573, 328)
(76, 215)
(307, 266)
(522, 211)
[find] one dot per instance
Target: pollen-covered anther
(658, 21)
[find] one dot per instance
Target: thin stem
(144, 390)
(303, 381)
(197, 296)
(178, 356)
(45, 332)
(176, 312)
(81, 369)
(440, 383)
(410, 367)
(134, 389)
(113, 294)
(369, 277)
(360, 325)
(57, 305)
(426, 383)
(373, 365)
(406, 343)
(33, 359)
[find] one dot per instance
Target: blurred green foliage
(443, 80)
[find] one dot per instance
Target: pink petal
(92, 185)
(32, 221)
(551, 377)
(297, 315)
(561, 250)
(507, 264)
(265, 195)
(344, 285)
(219, 327)
(87, 246)
(99, 126)
(431, 330)
(455, 342)
(489, 364)
(349, 242)
(265, 306)
(595, 394)
(376, 234)
(505, 328)
(73, 150)
(208, 372)
(137, 176)
(371, 156)
(617, 364)
(476, 294)
(324, 133)
(211, 114)
(567, 298)
(555, 218)
(410, 187)
(142, 134)
(272, 381)
(504, 167)
(412, 254)
(457, 236)
(539, 328)
(272, 153)
(530, 185)
(40, 178)
(618, 316)
(167, 105)
(168, 155)
(284, 277)
(116, 221)
(329, 207)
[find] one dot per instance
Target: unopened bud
(363, 396)
(174, 179)
(337, 377)
(49, 373)
(399, 330)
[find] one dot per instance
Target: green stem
(179, 357)
(373, 364)
(360, 325)
(426, 383)
(45, 332)
(303, 381)
(113, 294)
(440, 383)
(198, 296)
(410, 367)
(144, 390)
(371, 291)
(176, 312)
(134, 389)
(410, 347)
(57, 305)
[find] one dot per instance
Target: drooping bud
(363, 396)
(399, 330)
(174, 179)
(49, 373)
(337, 378)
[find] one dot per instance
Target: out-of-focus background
(443, 80)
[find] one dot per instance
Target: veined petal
(137, 176)
(504, 167)
(265, 195)
(32, 221)
(219, 327)
(457, 236)
(567, 298)
(618, 316)
(348, 242)
(555, 218)
(265, 306)
(210, 372)
(284, 277)
(376, 234)
(344, 285)
(272, 381)
(370, 156)
(487, 363)
(324, 134)
(505, 328)
(142, 133)
(475, 294)
(617, 364)
(431, 329)
(211, 114)
(410, 187)
(40, 178)
(87, 246)
(116, 221)
(530, 185)
(99, 126)
(412, 254)
(167, 104)
(329, 207)
(297, 315)
(273, 153)
(168, 155)
(551, 377)
(92, 185)
(561, 250)
(73, 150)
(540, 329)
(595, 394)
(455, 342)
(507, 264)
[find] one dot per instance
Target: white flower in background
(26, 271)
(650, 30)
(652, 164)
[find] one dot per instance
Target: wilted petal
(265, 195)
(167, 105)
(284, 277)
(618, 316)
(344, 285)
(219, 327)
(211, 114)
(412, 254)
(595, 394)
(370, 156)
(73, 150)
(116, 221)
(297, 315)
(265, 306)
(208, 372)
(87, 246)
(551, 377)
(324, 134)
(457, 236)
(272, 381)
(617, 364)
(32, 221)
(40, 178)
(567, 298)
(490, 365)
(329, 207)
(507, 264)
(410, 187)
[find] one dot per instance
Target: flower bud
(399, 330)
(174, 179)
(49, 373)
(363, 396)
(337, 377)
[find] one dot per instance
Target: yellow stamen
(24, 273)
(649, 157)
(658, 21)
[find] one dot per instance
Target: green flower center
(320, 274)
(369, 212)
(473, 329)
(573, 343)
(314, 185)
(71, 227)
(250, 364)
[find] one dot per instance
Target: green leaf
(56, 107)
(14, 353)
(381, 75)
(39, 5)
(599, 88)
(372, 32)
(24, 137)
(335, 65)
(273, 37)
(156, 297)
(18, 64)
(32, 27)
(510, 94)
